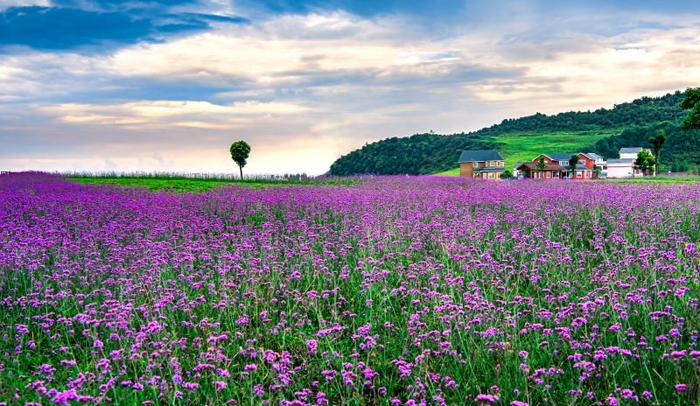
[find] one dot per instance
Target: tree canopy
(691, 102)
(645, 161)
(240, 150)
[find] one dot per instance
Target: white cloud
(167, 113)
(4, 4)
(306, 89)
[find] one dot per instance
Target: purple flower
(487, 398)
(431, 274)
(311, 345)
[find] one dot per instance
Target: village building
(631, 153)
(544, 166)
(599, 160)
(585, 169)
(481, 164)
(624, 166)
(556, 166)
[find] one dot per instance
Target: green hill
(603, 131)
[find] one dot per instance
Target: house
(598, 163)
(624, 167)
(481, 164)
(585, 168)
(561, 159)
(544, 166)
(599, 160)
(630, 153)
(556, 166)
(621, 168)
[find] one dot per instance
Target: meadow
(525, 146)
(197, 183)
(389, 290)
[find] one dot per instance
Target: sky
(155, 85)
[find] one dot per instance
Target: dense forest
(644, 110)
(682, 146)
(417, 154)
(636, 122)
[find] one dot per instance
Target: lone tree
(239, 153)
(573, 161)
(692, 103)
(645, 161)
(657, 142)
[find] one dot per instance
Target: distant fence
(179, 175)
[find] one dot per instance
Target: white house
(631, 153)
(624, 167)
(620, 168)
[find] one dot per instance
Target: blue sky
(167, 85)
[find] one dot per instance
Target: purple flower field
(393, 291)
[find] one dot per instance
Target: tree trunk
(240, 168)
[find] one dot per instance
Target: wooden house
(556, 166)
(481, 164)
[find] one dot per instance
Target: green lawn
(525, 146)
(196, 185)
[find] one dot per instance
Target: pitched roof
(631, 150)
(480, 155)
(533, 166)
(620, 161)
(593, 155)
(560, 157)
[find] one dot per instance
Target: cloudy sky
(168, 85)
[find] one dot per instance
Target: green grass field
(526, 146)
(199, 184)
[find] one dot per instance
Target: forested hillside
(417, 154)
(603, 131)
(682, 146)
(644, 110)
